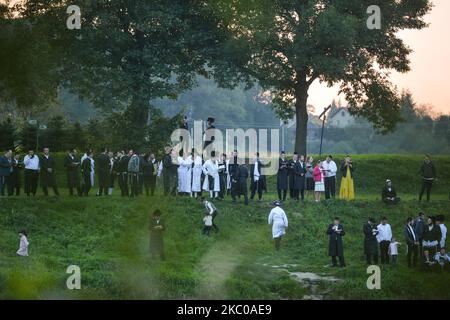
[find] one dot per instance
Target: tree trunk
(301, 114)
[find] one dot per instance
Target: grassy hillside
(108, 239)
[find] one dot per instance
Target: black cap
(210, 119)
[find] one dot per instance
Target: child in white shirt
(207, 220)
(23, 245)
(393, 251)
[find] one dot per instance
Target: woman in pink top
(319, 186)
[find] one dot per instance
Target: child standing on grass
(23, 245)
(208, 222)
(393, 251)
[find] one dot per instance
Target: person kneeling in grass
(388, 194)
(23, 245)
(443, 259)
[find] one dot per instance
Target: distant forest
(72, 121)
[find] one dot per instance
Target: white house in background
(340, 118)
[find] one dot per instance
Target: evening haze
(430, 65)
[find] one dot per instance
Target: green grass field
(108, 239)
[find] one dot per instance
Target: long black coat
(47, 177)
(156, 235)
(283, 174)
(298, 172)
(242, 179)
(335, 244)
(72, 165)
(15, 174)
(370, 239)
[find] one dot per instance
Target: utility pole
(323, 114)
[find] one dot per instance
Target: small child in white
(23, 245)
(393, 251)
(207, 220)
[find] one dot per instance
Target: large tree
(286, 45)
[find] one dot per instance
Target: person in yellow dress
(347, 191)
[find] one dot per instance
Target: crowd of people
(424, 239)
(190, 173)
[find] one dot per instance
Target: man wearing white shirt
(384, 238)
(329, 170)
(31, 163)
(257, 180)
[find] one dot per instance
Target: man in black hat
(233, 170)
(412, 242)
(103, 165)
(370, 241)
(282, 176)
(47, 163)
(72, 165)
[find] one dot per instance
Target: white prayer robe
(211, 168)
(279, 222)
(184, 174)
(443, 235)
(23, 246)
(197, 174)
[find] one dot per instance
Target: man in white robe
(279, 222)
(212, 179)
(197, 170)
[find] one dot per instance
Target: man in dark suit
(47, 163)
(242, 182)
(102, 167)
(169, 173)
(370, 241)
(233, 168)
(5, 172)
(72, 165)
(335, 232)
(428, 174)
(412, 242)
(86, 169)
(17, 166)
(282, 176)
(419, 228)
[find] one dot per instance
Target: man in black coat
(123, 174)
(335, 245)
(282, 176)
(428, 174)
(419, 228)
(298, 173)
(169, 173)
(102, 167)
(370, 242)
(242, 182)
(72, 166)
(47, 163)
(388, 193)
(17, 166)
(86, 169)
(412, 242)
(233, 168)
